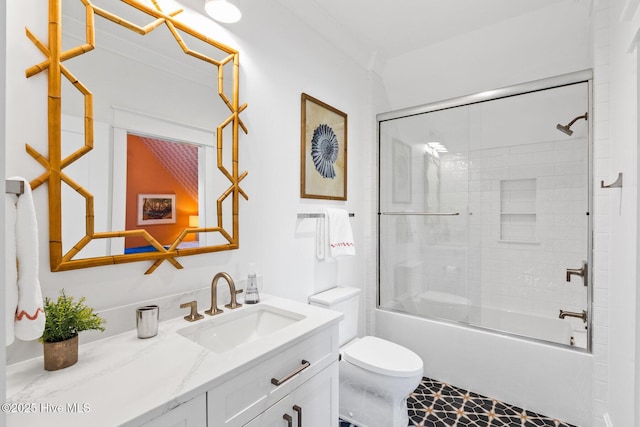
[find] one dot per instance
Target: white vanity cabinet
(303, 374)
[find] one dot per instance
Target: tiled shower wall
(601, 160)
(529, 206)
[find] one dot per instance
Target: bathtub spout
(582, 315)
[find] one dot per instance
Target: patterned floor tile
(437, 404)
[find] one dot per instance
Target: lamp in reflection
(222, 11)
(194, 222)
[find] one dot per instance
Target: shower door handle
(582, 272)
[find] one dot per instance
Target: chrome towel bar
(317, 215)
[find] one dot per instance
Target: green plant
(65, 317)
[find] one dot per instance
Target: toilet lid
(383, 357)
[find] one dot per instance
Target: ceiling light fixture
(222, 11)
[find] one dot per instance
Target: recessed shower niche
(518, 210)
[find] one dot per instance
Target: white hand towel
(322, 238)
(340, 234)
(11, 271)
(29, 314)
(334, 237)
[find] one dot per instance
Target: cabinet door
(313, 404)
(251, 392)
(190, 414)
(274, 416)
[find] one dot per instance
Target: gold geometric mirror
(223, 207)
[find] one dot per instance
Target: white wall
(3, 107)
(279, 59)
(616, 242)
(548, 42)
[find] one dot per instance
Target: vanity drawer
(242, 398)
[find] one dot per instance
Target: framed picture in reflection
(156, 209)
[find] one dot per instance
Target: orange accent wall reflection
(146, 175)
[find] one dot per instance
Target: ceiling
(389, 28)
(374, 31)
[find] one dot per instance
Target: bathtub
(550, 329)
(447, 306)
(545, 378)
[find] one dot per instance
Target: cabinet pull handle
(298, 409)
(278, 382)
(289, 420)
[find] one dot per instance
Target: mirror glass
(157, 104)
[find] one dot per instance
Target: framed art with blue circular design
(323, 151)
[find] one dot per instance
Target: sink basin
(235, 328)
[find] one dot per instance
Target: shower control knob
(582, 272)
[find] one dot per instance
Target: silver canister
(147, 321)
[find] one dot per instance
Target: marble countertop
(123, 380)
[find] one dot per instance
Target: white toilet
(376, 375)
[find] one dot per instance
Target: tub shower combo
(484, 211)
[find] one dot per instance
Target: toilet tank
(346, 301)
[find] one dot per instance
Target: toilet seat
(383, 357)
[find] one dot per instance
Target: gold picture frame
(323, 151)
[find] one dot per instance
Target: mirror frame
(54, 165)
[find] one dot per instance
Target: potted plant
(64, 318)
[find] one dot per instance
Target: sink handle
(193, 315)
(279, 382)
(233, 304)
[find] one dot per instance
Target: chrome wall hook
(616, 184)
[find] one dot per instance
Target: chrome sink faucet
(214, 294)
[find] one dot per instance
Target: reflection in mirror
(157, 168)
(134, 67)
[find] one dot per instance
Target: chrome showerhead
(567, 129)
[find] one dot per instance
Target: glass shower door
(484, 214)
(424, 214)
